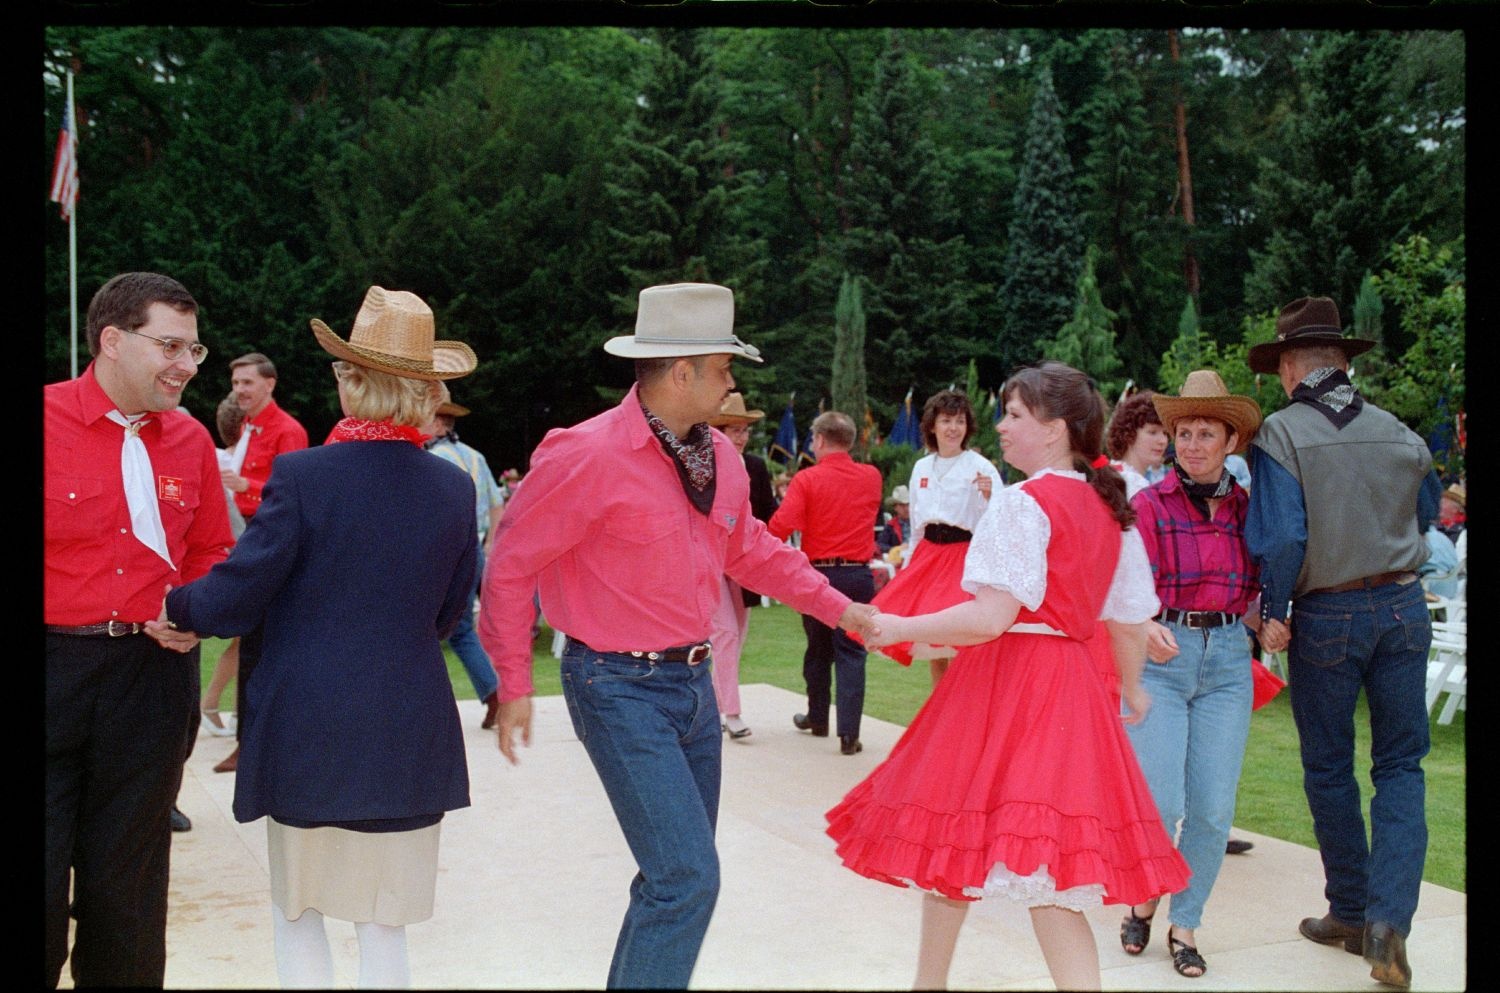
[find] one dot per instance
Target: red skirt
(1018, 759)
(928, 583)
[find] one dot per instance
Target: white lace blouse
(1009, 552)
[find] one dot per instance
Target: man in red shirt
(133, 507)
(272, 430)
(252, 380)
(834, 503)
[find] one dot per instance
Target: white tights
(303, 960)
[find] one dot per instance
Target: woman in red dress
(1016, 778)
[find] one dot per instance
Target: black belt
(104, 629)
(946, 534)
(684, 654)
(1198, 618)
(1370, 582)
(836, 563)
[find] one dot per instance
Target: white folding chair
(1447, 668)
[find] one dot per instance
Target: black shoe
(803, 724)
(1385, 950)
(491, 709)
(849, 744)
(1238, 847)
(1329, 930)
(180, 821)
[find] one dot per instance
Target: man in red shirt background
(133, 506)
(252, 380)
(834, 503)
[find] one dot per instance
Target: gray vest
(1359, 486)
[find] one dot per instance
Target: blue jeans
(465, 642)
(652, 732)
(1374, 639)
(833, 654)
(1191, 746)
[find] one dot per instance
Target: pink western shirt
(601, 527)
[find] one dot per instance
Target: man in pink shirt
(626, 524)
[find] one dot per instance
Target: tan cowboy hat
(452, 409)
(900, 494)
(733, 412)
(682, 320)
(1458, 494)
(393, 332)
(1205, 395)
(1305, 321)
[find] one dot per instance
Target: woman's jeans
(1191, 746)
(465, 642)
(652, 732)
(1375, 640)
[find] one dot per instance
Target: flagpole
(73, 249)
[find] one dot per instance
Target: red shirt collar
(94, 404)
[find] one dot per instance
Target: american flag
(65, 167)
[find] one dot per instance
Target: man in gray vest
(1343, 494)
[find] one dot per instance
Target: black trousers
(121, 717)
(833, 654)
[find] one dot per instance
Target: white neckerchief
(140, 486)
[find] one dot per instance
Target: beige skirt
(360, 876)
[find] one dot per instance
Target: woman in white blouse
(950, 488)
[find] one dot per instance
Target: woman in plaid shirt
(1192, 741)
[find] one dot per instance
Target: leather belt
(835, 563)
(683, 655)
(105, 629)
(1370, 582)
(1198, 618)
(946, 534)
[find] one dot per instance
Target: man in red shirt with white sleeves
(626, 525)
(133, 507)
(833, 503)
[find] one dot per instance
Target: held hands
(165, 633)
(859, 618)
(1274, 635)
(887, 631)
(515, 715)
(1161, 644)
(985, 484)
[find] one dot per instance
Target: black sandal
(1136, 931)
(1185, 956)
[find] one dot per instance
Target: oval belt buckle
(699, 653)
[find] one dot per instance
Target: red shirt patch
(169, 488)
(923, 484)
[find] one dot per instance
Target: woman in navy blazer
(359, 563)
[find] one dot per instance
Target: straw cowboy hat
(1205, 395)
(1458, 494)
(1306, 321)
(452, 409)
(733, 412)
(682, 320)
(393, 332)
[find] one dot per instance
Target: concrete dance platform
(533, 885)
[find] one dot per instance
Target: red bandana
(355, 429)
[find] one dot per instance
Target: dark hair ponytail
(1055, 390)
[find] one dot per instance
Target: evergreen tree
(848, 386)
(1368, 310)
(1191, 349)
(900, 238)
(1045, 238)
(1087, 342)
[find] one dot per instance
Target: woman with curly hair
(1137, 442)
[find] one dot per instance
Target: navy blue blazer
(359, 562)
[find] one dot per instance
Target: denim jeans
(831, 654)
(1374, 639)
(1191, 746)
(465, 642)
(652, 732)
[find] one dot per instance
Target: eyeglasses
(172, 348)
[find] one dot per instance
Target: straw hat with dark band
(393, 332)
(1303, 322)
(1205, 395)
(733, 412)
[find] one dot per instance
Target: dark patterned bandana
(1330, 393)
(1199, 494)
(693, 456)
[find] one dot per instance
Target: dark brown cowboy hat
(1303, 322)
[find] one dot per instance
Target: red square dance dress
(1016, 777)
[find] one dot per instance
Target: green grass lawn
(1270, 802)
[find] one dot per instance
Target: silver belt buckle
(699, 653)
(119, 629)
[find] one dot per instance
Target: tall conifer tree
(848, 388)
